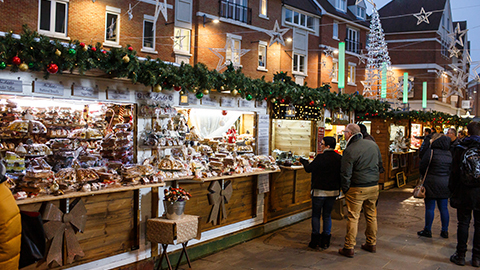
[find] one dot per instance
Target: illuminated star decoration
(110, 32)
(458, 83)
(476, 77)
(129, 12)
(324, 63)
(360, 1)
(457, 36)
(422, 16)
(328, 52)
(400, 85)
(160, 8)
(362, 58)
(177, 40)
(454, 51)
(228, 45)
(333, 73)
(276, 35)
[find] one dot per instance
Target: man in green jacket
(360, 171)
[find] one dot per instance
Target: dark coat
(453, 145)
(425, 145)
(463, 196)
(436, 181)
(325, 169)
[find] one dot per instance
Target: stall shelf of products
(233, 176)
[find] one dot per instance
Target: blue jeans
(322, 206)
(430, 213)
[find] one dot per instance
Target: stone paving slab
(400, 216)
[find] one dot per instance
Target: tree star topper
(422, 16)
(276, 35)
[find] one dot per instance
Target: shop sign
(320, 135)
(48, 88)
(11, 86)
(192, 99)
(165, 99)
(210, 100)
(261, 104)
(466, 104)
(86, 92)
(118, 94)
(228, 102)
(243, 103)
(263, 184)
(263, 127)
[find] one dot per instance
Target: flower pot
(174, 210)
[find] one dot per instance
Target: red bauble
(52, 68)
(282, 100)
(312, 103)
(265, 99)
(224, 112)
(82, 44)
(130, 48)
(104, 52)
(16, 60)
(177, 88)
(94, 49)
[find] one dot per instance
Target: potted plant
(174, 201)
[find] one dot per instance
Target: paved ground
(400, 216)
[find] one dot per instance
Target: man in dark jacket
(426, 142)
(325, 169)
(363, 130)
(361, 163)
(466, 199)
(452, 134)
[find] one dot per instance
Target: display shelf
(223, 177)
(292, 168)
(146, 147)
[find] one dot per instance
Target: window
(263, 8)
(262, 55)
(148, 33)
(334, 74)
(237, 10)
(299, 19)
(360, 12)
(299, 63)
(181, 40)
(53, 18)
(351, 73)
(341, 5)
(335, 29)
(232, 54)
(112, 26)
(352, 42)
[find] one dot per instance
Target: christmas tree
(378, 65)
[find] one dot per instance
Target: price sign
(48, 88)
(263, 133)
(11, 86)
(118, 94)
(86, 92)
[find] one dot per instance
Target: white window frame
(335, 30)
(183, 32)
(262, 46)
(235, 53)
(361, 12)
(299, 70)
(335, 70)
(350, 31)
(263, 3)
(341, 5)
(53, 7)
(301, 16)
(149, 19)
(117, 12)
(351, 73)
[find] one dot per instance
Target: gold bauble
(273, 100)
(234, 92)
(194, 90)
(182, 93)
(222, 88)
(23, 67)
(157, 88)
(85, 48)
(126, 59)
(58, 52)
(206, 92)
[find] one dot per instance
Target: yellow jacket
(10, 230)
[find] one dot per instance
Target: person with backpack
(464, 184)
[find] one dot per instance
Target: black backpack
(470, 167)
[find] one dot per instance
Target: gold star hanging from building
(276, 35)
(422, 16)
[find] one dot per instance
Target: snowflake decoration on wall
(422, 16)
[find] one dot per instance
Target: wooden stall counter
(232, 176)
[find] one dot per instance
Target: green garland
(434, 117)
(38, 52)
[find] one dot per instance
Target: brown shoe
(370, 248)
(347, 252)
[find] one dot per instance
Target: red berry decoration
(94, 49)
(177, 88)
(16, 60)
(82, 44)
(312, 103)
(52, 68)
(130, 48)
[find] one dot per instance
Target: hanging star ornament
(324, 63)
(328, 52)
(276, 35)
(457, 36)
(130, 12)
(238, 53)
(177, 40)
(454, 51)
(362, 58)
(458, 83)
(160, 7)
(422, 16)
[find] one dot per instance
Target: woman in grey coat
(436, 183)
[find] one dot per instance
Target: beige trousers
(356, 199)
